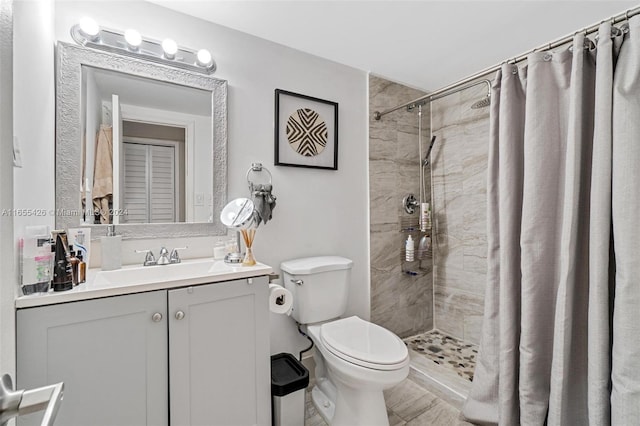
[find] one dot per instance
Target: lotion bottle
(111, 248)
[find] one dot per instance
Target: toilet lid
(364, 343)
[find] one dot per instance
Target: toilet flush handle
(297, 282)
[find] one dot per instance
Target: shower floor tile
(449, 352)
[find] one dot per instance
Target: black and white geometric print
(307, 132)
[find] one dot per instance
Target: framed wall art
(306, 131)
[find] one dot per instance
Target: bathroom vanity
(191, 348)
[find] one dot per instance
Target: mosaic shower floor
(451, 353)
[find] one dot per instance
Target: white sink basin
(185, 271)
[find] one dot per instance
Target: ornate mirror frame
(70, 59)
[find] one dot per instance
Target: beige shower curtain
(564, 168)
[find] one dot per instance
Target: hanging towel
(103, 173)
(264, 202)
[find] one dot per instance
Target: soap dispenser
(111, 248)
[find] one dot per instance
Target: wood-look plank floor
(407, 404)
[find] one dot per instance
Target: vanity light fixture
(204, 58)
(170, 48)
(89, 28)
(130, 43)
(133, 39)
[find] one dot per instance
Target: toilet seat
(365, 344)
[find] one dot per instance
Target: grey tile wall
(399, 302)
(459, 188)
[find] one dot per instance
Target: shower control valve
(410, 204)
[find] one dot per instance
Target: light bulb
(89, 28)
(170, 48)
(133, 38)
(204, 58)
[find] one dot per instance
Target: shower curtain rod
(440, 93)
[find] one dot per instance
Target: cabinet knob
(157, 317)
(179, 315)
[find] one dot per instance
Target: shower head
(482, 103)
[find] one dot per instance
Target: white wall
(318, 211)
(7, 276)
(34, 110)
(30, 91)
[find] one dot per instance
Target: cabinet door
(219, 365)
(110, 353)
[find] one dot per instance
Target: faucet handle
(175, 257)
(149, 259)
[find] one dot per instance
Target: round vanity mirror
(238, 214)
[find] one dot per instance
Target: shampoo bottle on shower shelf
(425, 222)
(409, 250)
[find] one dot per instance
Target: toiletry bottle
(424, 217)
(82, 269)
(80, 244)
(409, 249)
(62, 279)
(75, 262)
(111, 248)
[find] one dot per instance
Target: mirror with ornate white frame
(200, 187)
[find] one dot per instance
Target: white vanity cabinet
(196, 355)
(110, 354)
(219, 362)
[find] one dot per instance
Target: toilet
(355, 359)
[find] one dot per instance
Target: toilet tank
(320, 287)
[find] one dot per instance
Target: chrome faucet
(164, 258)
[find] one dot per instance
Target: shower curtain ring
(626, 14)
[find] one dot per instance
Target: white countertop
(148, 278)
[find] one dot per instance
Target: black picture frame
(288, 103)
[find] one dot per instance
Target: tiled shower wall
(459, 176)
(399, 302)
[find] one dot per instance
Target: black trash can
(289, 379)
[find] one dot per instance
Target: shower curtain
(561, 331)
